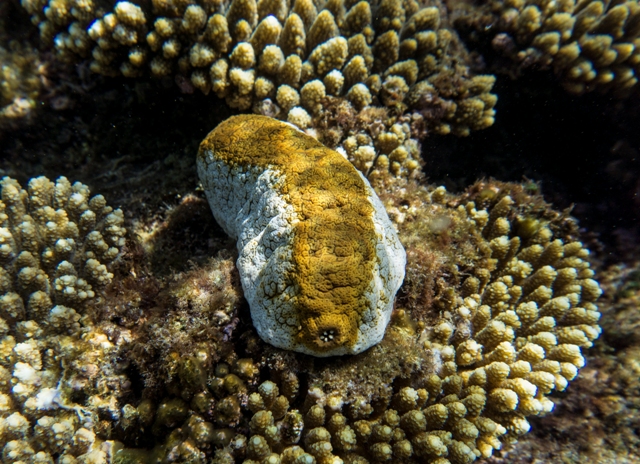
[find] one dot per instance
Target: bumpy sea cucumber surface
(319, 260)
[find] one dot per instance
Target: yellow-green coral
(20, 83)
(246, 50)
(589, 44)
(512, 334)
(496, 311)
(56, 246)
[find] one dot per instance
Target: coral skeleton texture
(56, 246)
(455, 376)
(590, 45)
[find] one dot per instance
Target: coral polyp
(281, 58)
(338, 309)
(496, 311)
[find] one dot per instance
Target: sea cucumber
(319, 260)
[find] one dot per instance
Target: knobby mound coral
(590, 45)
(56, 248)
(282, 58)
(376, 141)
(497, 306)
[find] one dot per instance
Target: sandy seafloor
(135, 142)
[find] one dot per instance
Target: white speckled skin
(249, 208)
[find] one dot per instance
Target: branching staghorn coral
(494, 315)
(56, 246)
(282, 58)
(590, 45)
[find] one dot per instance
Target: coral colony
(498, 301)
(448, 382)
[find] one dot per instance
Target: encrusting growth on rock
(496, 310)
(508, 335)
(103, 360)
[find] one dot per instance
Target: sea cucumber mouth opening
(328, 335)
(328, 332)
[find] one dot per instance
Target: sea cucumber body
(319, 259)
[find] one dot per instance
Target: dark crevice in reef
(135, 132)
(133, 142)
(579, 150)
(15, 23)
